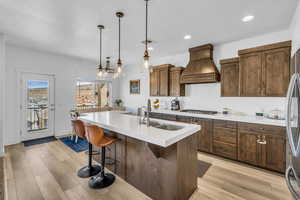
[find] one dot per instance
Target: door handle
(294, 147)
(289, 184)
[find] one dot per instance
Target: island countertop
(129, 125)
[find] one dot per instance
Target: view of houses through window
(92, 94)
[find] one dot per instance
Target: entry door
(37, 106)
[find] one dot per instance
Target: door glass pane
(37, 105)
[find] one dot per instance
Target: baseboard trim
(63, 133)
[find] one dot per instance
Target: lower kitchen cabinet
(205, 134)
(248, 148)
(274, 153)
(262, 145)
(256, 144)
(225, 139)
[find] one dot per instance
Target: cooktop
(207, 112)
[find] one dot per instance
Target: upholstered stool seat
(90, 169)
(96, 136)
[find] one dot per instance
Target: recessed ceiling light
(248, 18)
(187, 37)
(150, 48)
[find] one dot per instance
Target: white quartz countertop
(229, 117)
(129, 125)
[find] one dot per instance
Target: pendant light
(119, 63)
(146, 53)
(100, 67)
(104, 71)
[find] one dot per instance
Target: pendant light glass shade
(146, 60)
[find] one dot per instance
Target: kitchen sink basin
(164, 126)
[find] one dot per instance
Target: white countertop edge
(188, 130)
(229, 117)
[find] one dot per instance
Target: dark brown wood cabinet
(205, 135)
(248, 148)
(273, 153)
(154, 83)
(176, 89)
(276, 72)
(251, 75)
(165, 81)
(230, 77)
(225, 139)
(159, 80)
(265, 70)
(262, 145)
(256, 144)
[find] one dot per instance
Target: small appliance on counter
(175, 104)
(275, 114)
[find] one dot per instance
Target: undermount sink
(164, 126)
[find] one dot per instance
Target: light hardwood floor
(48, 172)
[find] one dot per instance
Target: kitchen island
(159, 162)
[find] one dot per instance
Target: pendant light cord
(119, 38)
(100, 66)
(146, 42)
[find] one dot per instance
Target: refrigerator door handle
(294, 147)
(289, 184)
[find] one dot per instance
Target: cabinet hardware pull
(261, 140)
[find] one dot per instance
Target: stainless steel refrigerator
(293, 129)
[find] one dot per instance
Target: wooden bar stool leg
(102, 180)
(90, 170)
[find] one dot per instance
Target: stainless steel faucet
(144, 114)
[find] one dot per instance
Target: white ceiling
(69, 26)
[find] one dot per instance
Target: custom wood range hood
(201, 67)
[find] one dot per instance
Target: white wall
(205, 96)
(295, 29)
(2, 92)
(66, 71)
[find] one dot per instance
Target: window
(92, 94)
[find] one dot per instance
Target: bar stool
(96, 136)
(89, 170)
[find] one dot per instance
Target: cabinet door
(205, 135)
(251, 75)
(230, 80)
(154, 83)
(248, 148)
(274, 153)
(164, 82)
(176, 89)
(276, 72)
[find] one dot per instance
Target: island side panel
(142, 168)
(187, 166)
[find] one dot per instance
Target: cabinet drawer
(184, 119)
(163, 116)
(260, 128)
(225, 124)
(225, 149)
(226, 135)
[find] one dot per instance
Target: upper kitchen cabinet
(159, 80)
(230, 77)
(176, 89)
(165, 81)
(265, 71)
